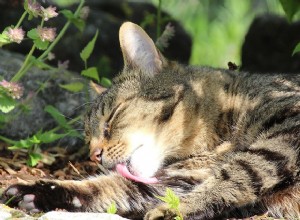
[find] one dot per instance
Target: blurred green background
(217, 27)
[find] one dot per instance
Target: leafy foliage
(77, 21)
(91, 73)
(105, 82)
(4, 39)
(38, 42)
(7, 103)
(297, 49)
(87, 51)
(112, 209)
(32, 144)
(290, 7)
(45, 39)
(73, 87)
(173, 201)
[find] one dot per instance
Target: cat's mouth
(128, 169)
(124, 170)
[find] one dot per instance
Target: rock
(269, 44)
(25, 122)
(59, 215)
(7, 213)
(10, 213)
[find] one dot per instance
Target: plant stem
(158, 22)
(72, 121)
(21, 71)
(61, 33)
(21, 19)
(7, 140)
(26, 65)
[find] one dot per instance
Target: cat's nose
(96, 155)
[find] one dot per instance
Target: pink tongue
(123, 170)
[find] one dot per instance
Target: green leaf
(7, 103)
(296, 49)
(21, 144)
(41, 45)
(73, 87)
(112, 209)
(7, 140)
(170, 198)
(33, 34)
(49, 136)
(33, 159)
(57, 116)
(78, 22)
(4, 39)
(31, 14)
(34, 140)
(105, 82)
(290, 8)
(91, 73)
(26, 5)
(68, 14)
(40, 64)
(66, 3)
(87, 51)
(74, 133)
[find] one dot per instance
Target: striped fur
(226, 142)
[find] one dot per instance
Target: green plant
(218, 27)
(173, 202)
(32, 144)
(291, 8)
(112, 209)
(85, 54)
(43, 39)
(92, 72)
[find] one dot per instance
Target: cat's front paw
(162, 212)
(40, 196)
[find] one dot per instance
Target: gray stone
(26, 122)
(10, 213)
(59, 215)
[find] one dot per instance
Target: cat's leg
(285, 203)
(242, 178)
(95, 194)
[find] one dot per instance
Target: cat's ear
(139, 50)
(95, 90)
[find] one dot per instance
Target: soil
(56, 164)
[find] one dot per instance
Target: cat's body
(221, 140)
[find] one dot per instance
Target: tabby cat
(225, 142)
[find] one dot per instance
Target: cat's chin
(123, 170)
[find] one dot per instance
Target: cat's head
(143, 119)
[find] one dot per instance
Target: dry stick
(75, 169)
